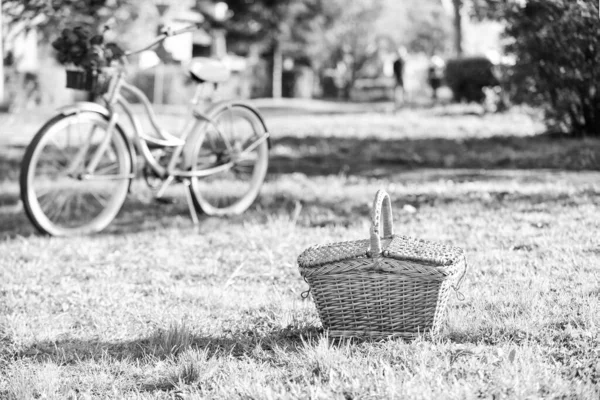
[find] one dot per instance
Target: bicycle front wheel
(75, 175)
(234, 144)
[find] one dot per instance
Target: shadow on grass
(371, 157)
(138, 216)
(318, 155)
(491, 336)
(135, 215)
(239, 345)
(315, 155)
(171, 343)
(163, 345)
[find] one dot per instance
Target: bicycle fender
(87, 106)
(187, 152)
(245, 104)
(83, 106)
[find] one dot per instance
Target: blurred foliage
(556, 44)
(23, 10)
(345, 28)
(51, 17)
(256, 20)
(320, 32)
(490, 9)
(327, 25)
(419, 25)
(468, 76)
(298, 25)
(312, 32)
(429, 29)
(267, 21)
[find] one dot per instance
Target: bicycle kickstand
(190, 202)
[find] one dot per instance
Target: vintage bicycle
(79, 167)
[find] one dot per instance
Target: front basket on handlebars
(90, 80)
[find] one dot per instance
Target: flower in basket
(113, 52)
(72, 46)
(75, 47)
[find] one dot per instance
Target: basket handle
(381, 213)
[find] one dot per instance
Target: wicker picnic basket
(395, 286)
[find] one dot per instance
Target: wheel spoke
(84, 206)
(70, 205)
(243, 168)
(44, 204)
(106, 169)
(232, 125)
(99, 199)
(57, 209)
(79, 158)
(61, 151)
(52, 166)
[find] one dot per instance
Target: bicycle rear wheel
(61, 194)
(236, 137)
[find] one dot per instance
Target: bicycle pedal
(165, 200)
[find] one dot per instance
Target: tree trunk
(277, 70)
(458, 27)
(1, 58)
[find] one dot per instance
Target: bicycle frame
(115, 99)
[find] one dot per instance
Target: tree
(1, 56)
(56, 12)
(458, 27)
(419, 25)
(313, 30)
(53, 16)
(344, 30)
(492, 9)
(556, 47)
(268, 21)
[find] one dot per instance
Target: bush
(557, 49)
(468, 76)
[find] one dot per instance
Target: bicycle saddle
(204, 69)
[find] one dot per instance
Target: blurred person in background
(343, 75)
(435, 75)
(399, 92)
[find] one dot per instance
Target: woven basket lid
(398, 247)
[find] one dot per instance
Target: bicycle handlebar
(166, 33)
(208, 21)
(190, 28)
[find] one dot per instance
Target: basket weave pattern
(395, 286)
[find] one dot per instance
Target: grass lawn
(154, 308)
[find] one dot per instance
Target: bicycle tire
(202, 195)
(29, 194)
